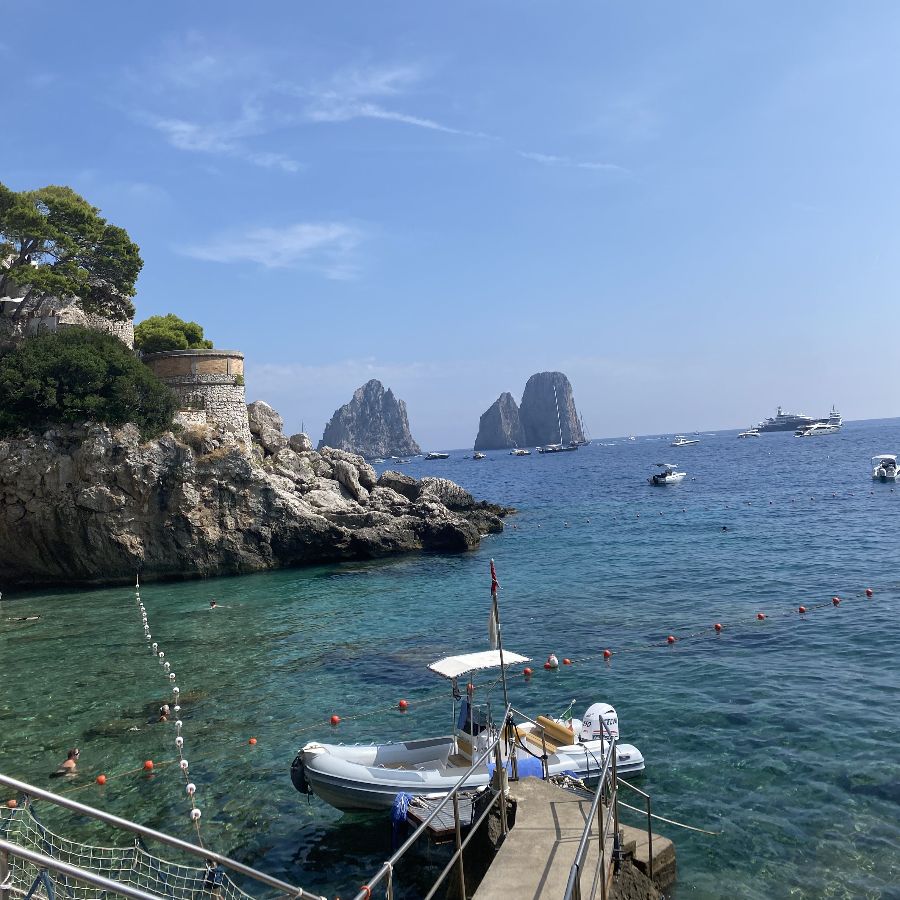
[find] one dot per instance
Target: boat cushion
(558, 733)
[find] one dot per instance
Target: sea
(777, 735)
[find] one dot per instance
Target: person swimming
(67, 767)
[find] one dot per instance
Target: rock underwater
(95, 505)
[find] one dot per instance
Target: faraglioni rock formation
(500, 427)
(538, 411)
(95, 505)
(535, 422)
(373, 424)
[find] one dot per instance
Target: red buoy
(148, 764)
(527, 671)
(335, 720)
(802, 609)
(607, 654)
(547, 665)
(252, 742)
(670, 639)
(718, 626)
(567, 662)
(403, 706)
(760, 616)
(869, 592)
(836, 601)
(101, 779)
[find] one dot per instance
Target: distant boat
(885, 467)
(520, 451)
(750, 432)
(434, 455)
(632, 438)
(667, 474)
(816, 429)
(682, 441)
(479, 455)
(560, 447)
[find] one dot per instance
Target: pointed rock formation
(372, 424)
(538, 411)
(500, 427)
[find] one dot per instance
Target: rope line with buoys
(155, 649)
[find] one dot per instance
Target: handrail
(387, 868)
(142, 830)
(649, 821)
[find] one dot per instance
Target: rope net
(133, 865)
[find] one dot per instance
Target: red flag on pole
(494, 583)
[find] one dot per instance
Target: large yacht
(783, 421)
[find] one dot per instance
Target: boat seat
(555, 735)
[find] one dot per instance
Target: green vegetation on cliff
(159, 333)
(78, 375)
(53, 243)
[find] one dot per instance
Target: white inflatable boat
(370, 776)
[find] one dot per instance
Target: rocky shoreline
(92, 505)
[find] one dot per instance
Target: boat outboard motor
(592, 725)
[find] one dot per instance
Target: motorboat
(378, 461)
(682, 441)
(667, 474)
(750, 432)
(479, 455)
(434, 455)
(816, 429)
(557, 448)
(520, 451)
(884, 467)
(370, 776)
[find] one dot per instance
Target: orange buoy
(12, 803)
(148, 764)
(869, 592)
(252, 742)
(760, 616)
(836, 601)
(101, 779)
(607, 654)
(527, 671)
(335, 720)
(718, 626)
(567, 661)
(802, 609)
(403, 706)
(671, 639)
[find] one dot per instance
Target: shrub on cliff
(159, 333)
(76, 375)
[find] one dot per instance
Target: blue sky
(691, 209)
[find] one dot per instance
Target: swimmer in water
(68, 766)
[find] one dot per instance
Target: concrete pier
(535, 859)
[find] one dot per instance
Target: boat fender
(298, 775)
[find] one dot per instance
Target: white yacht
(750, 432)
(479, 455)
(884, 467)
(682, 441)
(817, 428)
(667, 474)
(520, 451)
(435, 455)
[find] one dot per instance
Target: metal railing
(10, 849)
(456, 860)
(649, 820)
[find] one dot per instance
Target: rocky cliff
(538, 410)
(91, 505)
(500, 427)
(373, 424)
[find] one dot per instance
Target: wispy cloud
(326, 247)
(548, 159)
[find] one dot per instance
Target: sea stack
(500, 427)
(538, 412)
(373, 424)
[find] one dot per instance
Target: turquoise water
(780, 734)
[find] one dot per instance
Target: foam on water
(780, 734)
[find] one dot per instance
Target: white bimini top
(454, 666)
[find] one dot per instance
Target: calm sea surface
(782, 735)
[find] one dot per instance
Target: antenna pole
(496, 612)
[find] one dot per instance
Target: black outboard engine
(298, 775)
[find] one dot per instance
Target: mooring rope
(643, 812)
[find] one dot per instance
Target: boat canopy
(890, 456)
(454, 666)
(665, 465)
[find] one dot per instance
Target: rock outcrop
(500, 427)
(373, 424)
(538, 410)
(93, 505)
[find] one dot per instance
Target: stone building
(209, 385)
(51, 314)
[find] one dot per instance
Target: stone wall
(207, 381)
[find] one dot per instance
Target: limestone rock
(300, 442)
(261, 415)
(88, 504)
(373, 424)
(538, 410)
(500, 427)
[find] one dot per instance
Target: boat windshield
(454, 666)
